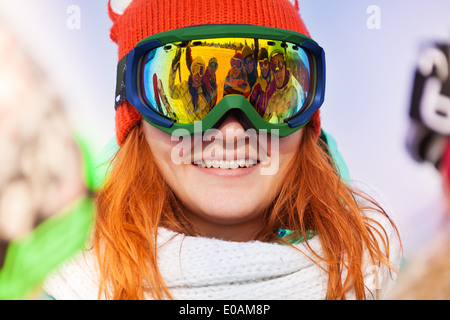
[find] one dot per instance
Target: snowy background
(371, 48)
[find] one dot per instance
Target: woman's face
(197, 72)
(235, 72)
(224, 203)
(197, 80)
(249, 64)
(264, 65)
(279, 70)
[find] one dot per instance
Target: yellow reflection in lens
(185, 80)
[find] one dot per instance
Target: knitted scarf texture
(198, 268)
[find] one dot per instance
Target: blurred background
(372, 50)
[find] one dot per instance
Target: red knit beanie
(134, 20)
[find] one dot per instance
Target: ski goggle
(236, 63)
(198, 69)
(158, 78)
(264, 64)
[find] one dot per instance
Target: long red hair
(135, 201)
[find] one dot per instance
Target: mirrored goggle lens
(198, 69)
(173, 84)
(236, 63)
(264, 63)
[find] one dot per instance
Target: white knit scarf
(198, 268)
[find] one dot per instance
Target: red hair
(135, 201)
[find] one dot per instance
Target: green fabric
(29, 260)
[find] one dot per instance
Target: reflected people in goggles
(192, 88)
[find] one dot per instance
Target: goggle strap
(121, 91)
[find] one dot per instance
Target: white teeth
(226, 164)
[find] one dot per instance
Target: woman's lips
(226, 164)
(227, 168)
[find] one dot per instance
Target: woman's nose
(232, 127)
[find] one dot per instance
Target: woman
(216, 227)
(210, 80)
(283, 90)
(250, 66)
(260, 93)
(193, 93)
(236, 81)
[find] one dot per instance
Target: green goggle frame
(129, 86)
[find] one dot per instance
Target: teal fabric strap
(295, 237)
(340, 164)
